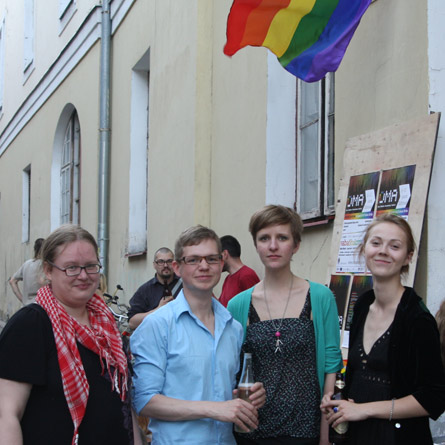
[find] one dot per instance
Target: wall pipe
(104, 134)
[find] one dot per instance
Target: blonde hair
(440, 319)
(399, 222)
(65, 234)
(275, 215)
(193, 236)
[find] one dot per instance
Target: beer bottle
(245, 383)
(339, 434)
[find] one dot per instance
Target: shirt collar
(182, 305)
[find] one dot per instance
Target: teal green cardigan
(325, 316)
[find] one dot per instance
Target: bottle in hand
(339, 434)
(245, 383)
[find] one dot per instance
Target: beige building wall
(208, 153)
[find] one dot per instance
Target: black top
(289, 375)
(148, 296)
(28, 354)
(414, 363)
(371, 384)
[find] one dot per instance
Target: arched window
(69, 173)
(65, 170)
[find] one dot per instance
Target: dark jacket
(414, 362)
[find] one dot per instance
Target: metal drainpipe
(104, 133)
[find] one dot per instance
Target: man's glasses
(195, 260)
(72, 271)
(163, 262)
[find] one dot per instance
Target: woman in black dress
(394, 378)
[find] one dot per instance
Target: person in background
(291, 329)
(102, 287)
(394, 377)
(158, 291)
(31, 274)
(241, 277)
(187, 355)
(63, 373)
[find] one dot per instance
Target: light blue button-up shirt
(177, 356)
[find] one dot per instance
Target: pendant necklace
(278, 341)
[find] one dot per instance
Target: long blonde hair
(440, 319)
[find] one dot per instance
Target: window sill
(318, 221)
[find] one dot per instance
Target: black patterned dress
(292, 408)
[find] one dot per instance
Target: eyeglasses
(72, 271)
(162, 262)
(195, 260)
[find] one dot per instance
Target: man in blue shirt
(187, 355)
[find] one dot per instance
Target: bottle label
(340, 384)
(341, 428)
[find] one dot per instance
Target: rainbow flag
(309, 37)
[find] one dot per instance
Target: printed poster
(395, 191)
(360, 284)
(359, 212)
(339, 286)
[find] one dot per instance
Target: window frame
(28, 35)
(70, 173)
(324, 208)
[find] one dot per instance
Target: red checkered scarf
(103, 338)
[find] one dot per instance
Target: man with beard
(157, 292)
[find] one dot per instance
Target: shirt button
(397, 425)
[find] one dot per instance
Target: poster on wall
(360, 284)
(359, 212)
(339, 285)
(395, 191)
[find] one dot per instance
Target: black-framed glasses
(163, 262)
(72, 271)
(194, 260)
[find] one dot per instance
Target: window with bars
(315, 194)
(69, 173)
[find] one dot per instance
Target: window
(315, 194)
(69, 173)
(28, 50)
(26, 203)
(139, 134)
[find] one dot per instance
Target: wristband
(392, 410)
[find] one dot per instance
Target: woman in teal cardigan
(291, 329)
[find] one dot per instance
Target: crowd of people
(65, 377)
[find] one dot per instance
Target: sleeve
(137, 303)
(334, 360)
(148, 344)
(25, 344)
(19, 274)
(426, 360)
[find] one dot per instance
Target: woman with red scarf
(63, 371)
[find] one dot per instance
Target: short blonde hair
(274, 215)
(193, 236)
